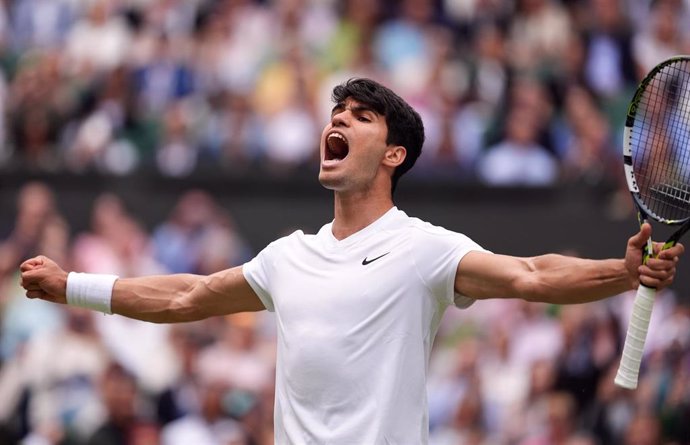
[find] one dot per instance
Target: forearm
(157, 298)
(184, 297)
(560, 279)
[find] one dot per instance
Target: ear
(394, 156)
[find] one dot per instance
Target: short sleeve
(257, 274)
(438, 253)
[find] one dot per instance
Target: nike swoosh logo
(365, 261)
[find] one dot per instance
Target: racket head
(656, 148)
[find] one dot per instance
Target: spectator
(557, 423)
(644, 429)
(97, 42)
(178, 152)
(165, 79)
(231, 133)
(58, 373)
(99, 140)
(609, 68)
(34, 123)
(38, 227)
(117, 242)
(178, 241)
(241, 359)
(350, 42)
(124, 422)
(586, 143)
(538, 34)
(40, 23)
(209, 426)
(503, 382)
(519, 159)
(467, 425)
(663, 37)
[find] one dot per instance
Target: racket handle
(629, 368)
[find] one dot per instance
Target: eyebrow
(359, 108)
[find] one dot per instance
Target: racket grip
(629, 368)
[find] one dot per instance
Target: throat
(353, 214)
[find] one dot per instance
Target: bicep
(483, 275)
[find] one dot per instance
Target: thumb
(640, 238)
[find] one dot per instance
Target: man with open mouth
(357, 304)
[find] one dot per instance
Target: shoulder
(289, 241)
(428, 240)
(426, 231)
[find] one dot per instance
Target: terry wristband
(91, 291)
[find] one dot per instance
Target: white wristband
(91, 291)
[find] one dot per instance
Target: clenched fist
(43, 278)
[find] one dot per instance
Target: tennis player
(358, 303)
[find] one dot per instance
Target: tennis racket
(656, 157)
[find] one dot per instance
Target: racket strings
(661, 142)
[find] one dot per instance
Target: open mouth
(337, 147)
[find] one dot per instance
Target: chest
(338, 289)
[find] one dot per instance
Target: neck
(356, 210)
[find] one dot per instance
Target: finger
(657, 284)
(25, 282)
(681, 247)
(662, 263)
(659, 247)
(675, 251)
(31, 276)
(31, 286)
(640, 238)
(28, 284)
(658, 274)
(651, 282)
(31, 263)
(43, 295)
(37, 294)
(665, 283)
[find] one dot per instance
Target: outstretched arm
(564, 280)
(158, 298)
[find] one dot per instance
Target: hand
(660, 268)
(43, 278)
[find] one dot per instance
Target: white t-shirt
(356, 319)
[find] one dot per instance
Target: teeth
(337, 135)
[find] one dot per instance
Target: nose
(341, 118)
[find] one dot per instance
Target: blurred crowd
(69, 376)
(512, 92)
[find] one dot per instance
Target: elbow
(179, 309)
(175, 311)
(190, 305)
(530, 287)
(535, 284)
(182, 309)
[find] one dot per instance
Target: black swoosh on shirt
(365, 261)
